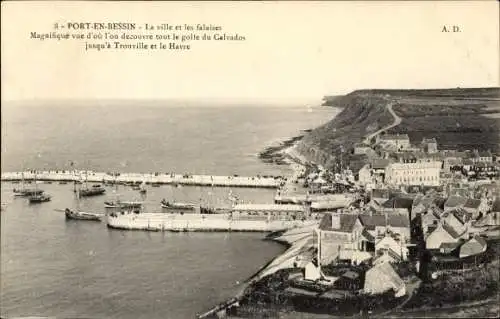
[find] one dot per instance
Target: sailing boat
(79, 215)
(91, 191)
(37, 197)
(122, 204)
(25, 192)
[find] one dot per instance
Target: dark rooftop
(455, 201)
(347, 222)
(380, 163)
(370, 222)
(472, 203)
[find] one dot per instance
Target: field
(456, 122)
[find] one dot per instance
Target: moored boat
(81, 215)
(92, 191)
(122, 204)
(27, 192)
(39, 198)
(177, 205)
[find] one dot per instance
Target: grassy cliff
(362, 114)
(459, 118)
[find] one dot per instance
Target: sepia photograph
(250, 159)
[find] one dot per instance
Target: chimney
(335, 220)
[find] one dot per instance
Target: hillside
(460, 118)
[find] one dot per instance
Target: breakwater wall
(148, 178)
(200, 222)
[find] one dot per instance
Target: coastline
(295, 241)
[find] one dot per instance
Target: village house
(491, 218)
(353, 237)
(382, 278)
(473, 246)
(378, 168)
(338, 232)
(399, 204)
(481, 156)
(398, 141)
(452, 160)
(365, 175)
(429, 145)
(430, 219)
(458, 219)
(421, 203)
(452, 228)
(390, 249)
(378, 224)
(476, 207)
(361, 148)
(410, 169)
(443, 234)
(380, 195)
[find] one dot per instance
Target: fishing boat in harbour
(122, 204)
(92, 191)
(39, 198)
(26, 192)
(77, 215)
(87, 191)
(177, 207)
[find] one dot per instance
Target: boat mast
(36, 187)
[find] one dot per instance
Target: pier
(148, 178)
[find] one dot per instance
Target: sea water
(54, 267)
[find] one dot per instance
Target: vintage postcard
(214, 159)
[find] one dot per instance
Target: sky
(293, 51)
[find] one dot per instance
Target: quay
(148, 178)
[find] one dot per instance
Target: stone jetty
(148, 178)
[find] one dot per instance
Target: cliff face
(363, 113)
(459, 118)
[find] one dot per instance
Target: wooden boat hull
(70, 215)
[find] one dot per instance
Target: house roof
(472, 203)
(347, 222)
(380, 163)
(455, 201)
(439, 202)
(484, 154)
(399, 202)
(462, 215)
(367, 235)
(380, 193)
(351, 275)
(385, 272)
(480, 240)
(450, 245)
(467, 162)
(450, 230)
(429, 140)
(454, 161)
(394, 137)
(396, 220)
